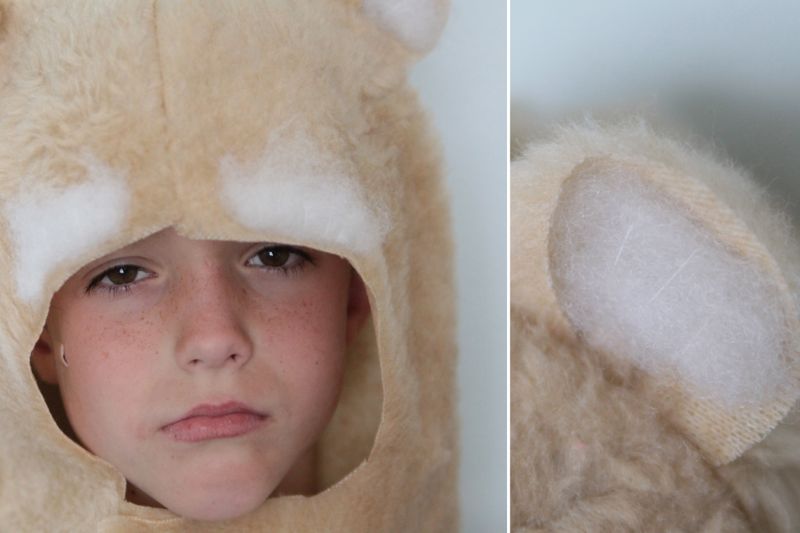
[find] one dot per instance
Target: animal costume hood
(274, 121)
(654, 340)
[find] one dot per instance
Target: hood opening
(350, 436)
(344, 443)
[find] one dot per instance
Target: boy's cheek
(105, 365)
(314, 356)
(109, 355)
(106, 406)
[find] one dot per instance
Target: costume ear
(416, 23)
(661, 258)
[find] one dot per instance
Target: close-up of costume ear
(654, 339)
(260, 122)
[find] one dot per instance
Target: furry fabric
(417, 23)
(602, 439)
(590, 452)
(121, 118)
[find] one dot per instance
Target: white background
(463, 86)
(728, 71)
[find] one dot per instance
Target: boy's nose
(211, 334)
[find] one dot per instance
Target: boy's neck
(301, 478)
(134, 495)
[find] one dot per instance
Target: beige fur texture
(185, 105)
(599, 444)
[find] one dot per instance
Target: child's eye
(279, 257)
(118, 277)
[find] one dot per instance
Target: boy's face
(203, 370)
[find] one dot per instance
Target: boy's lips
(206, 422)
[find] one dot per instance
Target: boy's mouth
(206, 422)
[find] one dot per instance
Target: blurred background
(462, 84)
(728, 72)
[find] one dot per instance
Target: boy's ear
(358, 308)
(43, 359)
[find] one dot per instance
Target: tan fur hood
(270, 120)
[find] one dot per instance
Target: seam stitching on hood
(175, 185)
(159, 62)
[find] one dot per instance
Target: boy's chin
(216, 503)
(213, 494)
(215, 510)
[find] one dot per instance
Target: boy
(186, 192)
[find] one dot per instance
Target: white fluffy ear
(662, 258)
(650, 267)
(642, 278)
(416, 23)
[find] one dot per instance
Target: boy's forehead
(170, 242)
(166, 239)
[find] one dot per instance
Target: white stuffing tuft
(417, 23)
(296, 189)
(49, 225)
(639, 279)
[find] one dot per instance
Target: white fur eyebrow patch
(641, 280)
(295, 189)
(49, 225)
